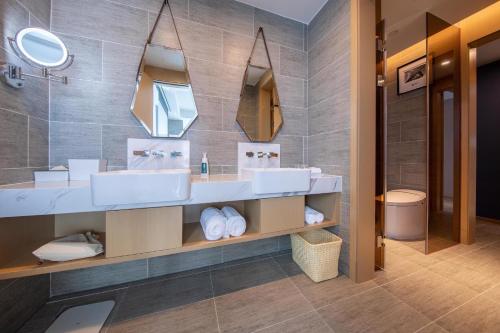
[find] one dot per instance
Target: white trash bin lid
(404, 197)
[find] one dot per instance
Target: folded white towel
(69, 248)
(313, 216)
(236, 224)
(213, 222)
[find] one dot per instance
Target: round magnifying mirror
(41, 47)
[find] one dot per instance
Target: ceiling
(298, 10)
(488, 53)
(405, 19)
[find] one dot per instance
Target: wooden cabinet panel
(276, 214)
(143, 230)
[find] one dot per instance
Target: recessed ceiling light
(445, 62)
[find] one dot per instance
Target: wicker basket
(317, 253)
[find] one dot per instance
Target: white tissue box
(50, 176)
(80, 169)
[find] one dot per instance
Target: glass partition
(443, 141)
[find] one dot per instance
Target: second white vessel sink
(278, 180)
(140, 186)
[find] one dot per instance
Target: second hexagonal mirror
(259, 112)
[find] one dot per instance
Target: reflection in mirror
(164, 101)
(259, 112)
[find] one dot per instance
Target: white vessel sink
(140, 186)
(278, 180)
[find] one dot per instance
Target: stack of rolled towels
(225, 222)
(313, 216)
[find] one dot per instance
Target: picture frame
(412, 75)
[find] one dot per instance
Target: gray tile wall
(329, 102)
(103, 276)
(217, 36)
(24, 142)
(24, 113)
(406, 130)
(90, 117)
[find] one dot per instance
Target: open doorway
(488, 135)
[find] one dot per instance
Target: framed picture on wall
(412, 76)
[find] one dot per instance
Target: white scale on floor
(88, 318)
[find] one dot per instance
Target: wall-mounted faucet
(268, 154)
(175, 154)
(148, 153)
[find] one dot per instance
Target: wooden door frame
(362, 152)
(469, 141)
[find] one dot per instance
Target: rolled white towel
(69, 248)
(213, 222)
(313, 216)
(236, 224)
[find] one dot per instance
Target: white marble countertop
(28, 199)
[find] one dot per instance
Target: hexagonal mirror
(164, 102)
(259, 112)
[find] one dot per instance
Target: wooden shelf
(193, 239)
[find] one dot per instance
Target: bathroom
(141, 182)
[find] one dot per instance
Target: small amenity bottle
(204, 166)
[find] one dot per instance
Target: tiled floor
(455, 290)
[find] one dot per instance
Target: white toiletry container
(81, 169)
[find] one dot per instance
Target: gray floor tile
(197, 317)
(414, 256)
(429, 293)
(230, 279)
(481, 315)
(270, 293)
(476, 270)
(162, 295)
(50, 311)
(330, 291)
(251, 309)
(395, 267)
(493, 293)
(374, 311)
(310, 322)
(21, 299)
(433, 328)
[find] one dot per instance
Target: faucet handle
(272, 154)
(142, 153)
(175, 154)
